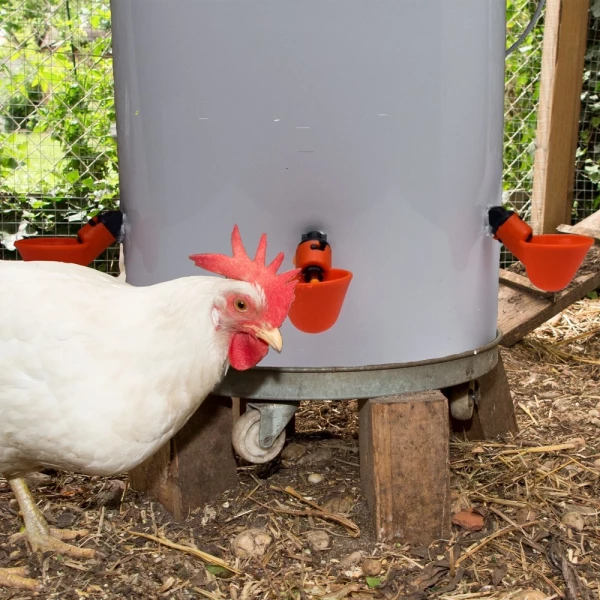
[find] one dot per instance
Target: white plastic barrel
(378, 122)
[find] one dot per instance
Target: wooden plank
(519, 313)
(593, 233)
(565, 39)
(404, 466)
(522, 283)
(195, 466)
(494, 413)
(588, 226)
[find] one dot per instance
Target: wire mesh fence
(58, 156)
(587, 171)
(58, 160)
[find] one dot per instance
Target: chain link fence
(58, 161)
(587, 171)
(521, 98)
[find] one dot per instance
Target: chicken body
(96, 375)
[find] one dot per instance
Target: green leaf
(218, 571)
(373, 582)
(72, 176)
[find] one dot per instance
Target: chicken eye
(240, 305)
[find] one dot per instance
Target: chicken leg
(17, 578)
(41, 537)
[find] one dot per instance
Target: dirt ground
(533, 502)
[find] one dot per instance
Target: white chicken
(95, 375)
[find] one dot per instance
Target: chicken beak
(271, 337)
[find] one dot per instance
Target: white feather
(95, 375)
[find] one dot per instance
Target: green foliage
(19, 111)
(58, 161)
(587, 184)
(521, 98)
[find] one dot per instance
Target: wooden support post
(494, 414)
(238, 407)
(565, 37)
(196, 465)
(404, 466)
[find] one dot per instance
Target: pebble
(340, 505)
(251, 543)
(320, 455)
(318, 539)
(595, 422)
(573, 520)
(597, 463)
(594, 413)
(315, 478)
(371, 567)
(351, 560)
(293, 452)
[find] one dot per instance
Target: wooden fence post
(565, 40)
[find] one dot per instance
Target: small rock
(318, 539)
(573, 520)
(595, 422)
(351, 560)
(340, 505)
(251, 543)
(371, 567)
(293, 452)
(470, 521)
(597, 463)
(315, 478)
(66, 519)
(320, 455)
(579, 442)
(524, 515)
(594, 413)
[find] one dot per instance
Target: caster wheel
(461, 408)
(245, 439)
(462, 400)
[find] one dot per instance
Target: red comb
(278, 289)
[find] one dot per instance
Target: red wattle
(246, 351)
